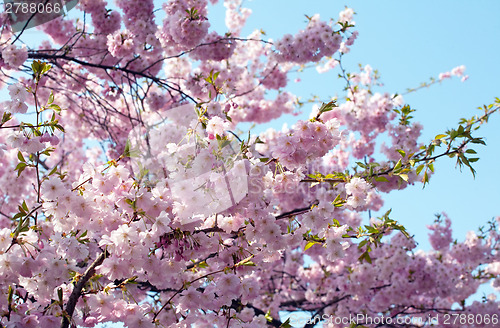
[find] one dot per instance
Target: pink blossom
(445, 75)
(458, 71)
(5, 239)
(357, 190)
(52, 188)
(18, 91)
(16, 139)
(346, 16)
(17, 106)
(217, 126)
(15, 56)
(120, 44)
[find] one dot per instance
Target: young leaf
(21, 157)
(309, 245)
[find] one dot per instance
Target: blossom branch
(77, 290)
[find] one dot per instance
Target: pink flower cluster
(181, 28)
(402, 137)
(19, 96)
(214, 47)
(103, 21)
(440, 236)
(120, 44)
(236, 16)
(14, 56)
(250, 109)
(346, 16)
(365, 111)
(335, 244)
(318, 40)
(60, 29)
(457, 71)
(216, 127)
(357, 191)
(274, 78)
(307, 140)
(138, 15)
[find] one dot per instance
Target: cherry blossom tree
(128, 194)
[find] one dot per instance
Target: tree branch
(77, 291)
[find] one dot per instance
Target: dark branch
(77, 291)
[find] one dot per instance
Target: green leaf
(268, 316)
(6, 117)
(54, 170)
(45, 68)
(223, 142)
(309, 245)
(55, 107)
(362, 165)
(439, 136)
(24, 206)
(21, 157)
(203, 264)
(337, 199)
(51, 98)
(129, 151)
(425, 178)
(10, 293)
(404, 177)
(60, 295)
(366, 257)
(401, 152)
(398, 166)
(327, 107)
(381, 179)
(20, 168)
(35, 66)
(21, 210)
(419, 169)
(478, 141)
(286, 324)
(17, 216)
(312, 176)
(126, 151)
